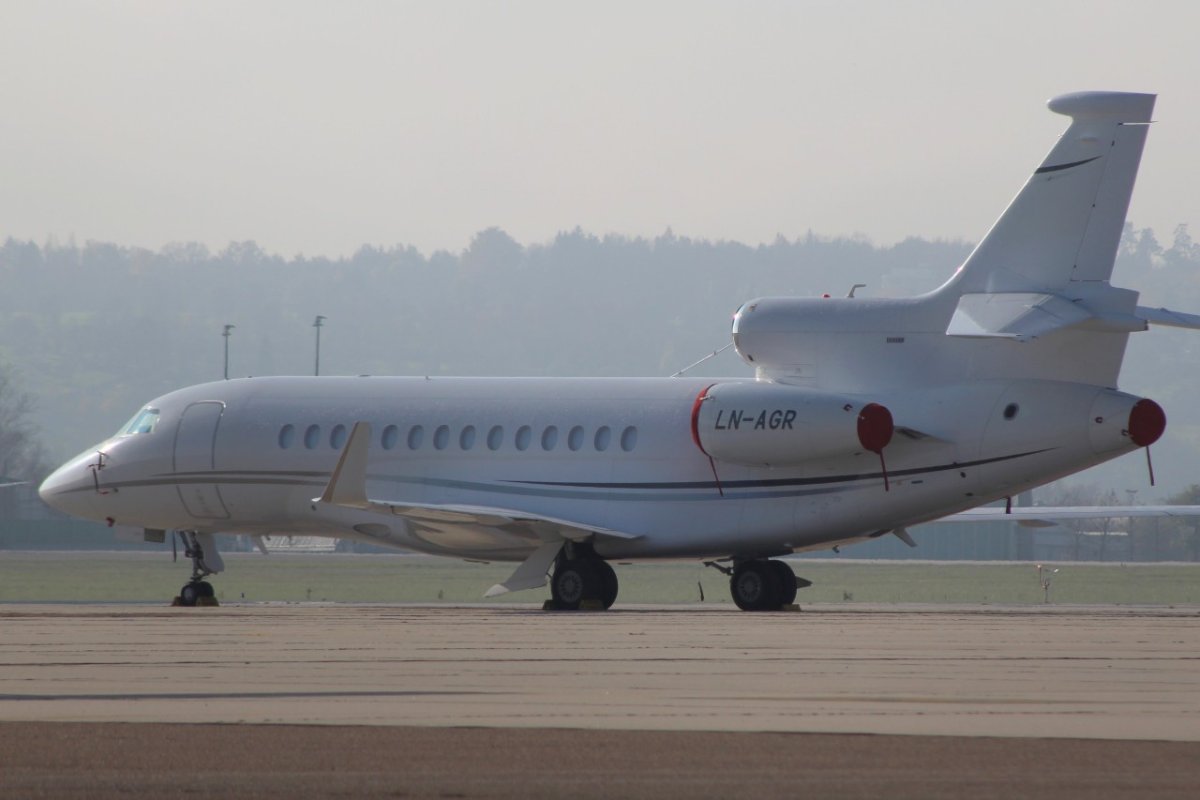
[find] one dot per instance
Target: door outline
(201, 499)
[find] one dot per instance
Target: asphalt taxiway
(1087, 681)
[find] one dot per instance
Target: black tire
(189, 595)
(755, 586)
(787, 582)
(206, 589)
(608, 583)
(573, 582)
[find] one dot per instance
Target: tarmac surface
(487, 701)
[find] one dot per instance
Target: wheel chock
(790, 607)
(591, 605)
(207, 601)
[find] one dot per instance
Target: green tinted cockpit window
(142, 422)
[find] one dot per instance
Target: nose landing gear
(197, 591)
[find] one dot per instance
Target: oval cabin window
(416, 435)
(603, 438)
(390, 435)
(524, 434)
(495, 437)
(629, 439)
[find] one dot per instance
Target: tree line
(94, 330)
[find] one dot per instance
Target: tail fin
(1065, 224)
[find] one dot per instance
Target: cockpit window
(143, 422)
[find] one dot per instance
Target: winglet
(348, 483)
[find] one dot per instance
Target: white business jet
(865, 416)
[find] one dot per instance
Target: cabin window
(390, 435)
(629, 438)
(524, 434)
(575, 438)
(311, 436)
(550, 438)
(337, 437)
(287, 435)
(416, 435)
(466, 439)
(441, 437)
(143, 422)
(603, 438)
(495, 437)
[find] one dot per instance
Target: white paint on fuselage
(999, 381)
(663, 490)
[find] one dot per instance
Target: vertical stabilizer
(1065, 224)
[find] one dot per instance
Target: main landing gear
(197, 591)
(762, 585)
(582, 579)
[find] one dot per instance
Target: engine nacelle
(1119, 419)
(772, 425)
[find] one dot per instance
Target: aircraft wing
(1034, 516)
(347, 488)
(546, 528)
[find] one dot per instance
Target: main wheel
(608, 583)
(190, 594)
(787, 582)
(574, 581)
(755, 586)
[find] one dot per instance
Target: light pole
(318, 323)
(228, 328)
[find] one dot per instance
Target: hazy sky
(317, 127)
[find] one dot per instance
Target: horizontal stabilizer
(1165, 316)
(1022, 316)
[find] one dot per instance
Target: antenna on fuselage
(713, 354)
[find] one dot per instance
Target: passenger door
(194, 460)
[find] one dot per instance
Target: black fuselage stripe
(774, 482)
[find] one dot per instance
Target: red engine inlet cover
(1147, 421)
(875, 426)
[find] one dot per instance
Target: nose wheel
(197, 591)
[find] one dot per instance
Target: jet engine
(773, 425)
(1118, 419)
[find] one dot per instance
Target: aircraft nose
(69, 489)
